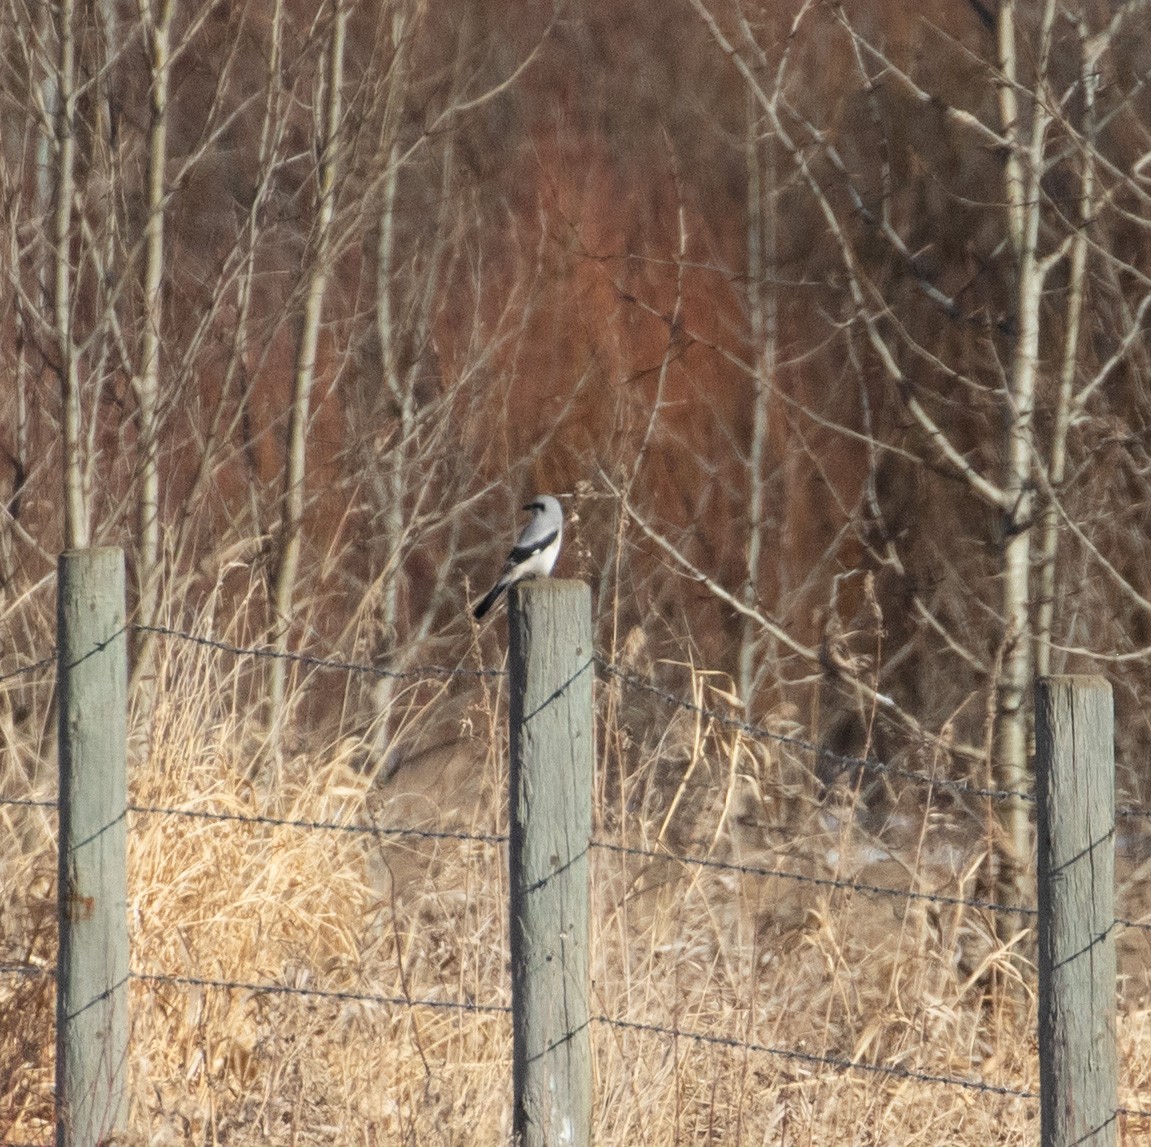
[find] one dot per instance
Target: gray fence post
(552, 754)
(1075, 789)
(92, 967)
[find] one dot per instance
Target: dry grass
(785, 964)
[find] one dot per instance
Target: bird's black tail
(490, 599)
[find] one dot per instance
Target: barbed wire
(29, 971)
(320, 993)
(422, 673)
(748, 728)
(29, 802)
(837, 883)
(320, 825)
(31, 667)
(819, 881)
(1137, 925)
(668, 697)
(896, 1071)
(816, 1059)
(759, 733)
(634, 680)
(645, 1027)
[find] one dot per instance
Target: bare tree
(1047, 132)
(63, 97)
(318, 270)
(157, 24)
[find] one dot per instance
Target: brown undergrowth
(735, 967)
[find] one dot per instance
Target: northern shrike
(535, 551)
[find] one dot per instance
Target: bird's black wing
(522, 553)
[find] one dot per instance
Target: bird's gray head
(546, 507)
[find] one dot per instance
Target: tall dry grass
(831, 973)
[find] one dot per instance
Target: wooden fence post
(92, 967)
(552, 753)
(1075, 789)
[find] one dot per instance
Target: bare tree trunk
(1076, 300)
(292, 511)
(1024, 175)
(226, 419)
(402, 399)
(76, 527)
(158, 24)
(761, 258)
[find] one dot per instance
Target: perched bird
(535, 551)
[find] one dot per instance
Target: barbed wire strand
(649, 1028)
(818, 1060)
(320, 993)
(29, 971)
(425, 672)
(746, 727)
(319, 825)
(759, 733)
(1128, 811)
(440, 672)
(710, 1039)
(31, 667)
(819, 881)
(605, 846)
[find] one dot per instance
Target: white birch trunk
(292, 506)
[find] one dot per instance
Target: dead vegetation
(322, 932)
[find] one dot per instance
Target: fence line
(755, 732)
(667, 697)
(732, 1042)
(748, 728)
(837, 883)
(602, 845)
(897, 1071)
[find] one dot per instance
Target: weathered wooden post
(92, 967)
(1075, 789)
(552, 753)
